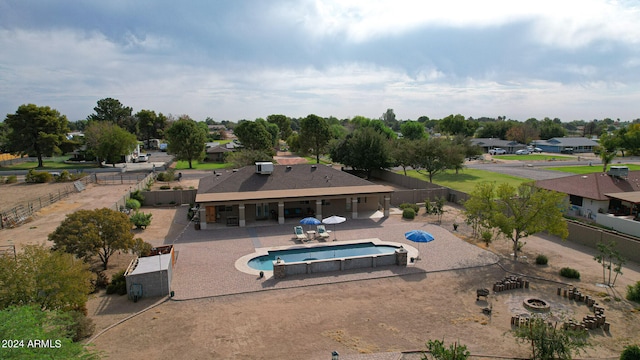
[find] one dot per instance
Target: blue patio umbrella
(310, 221)
(419, 236)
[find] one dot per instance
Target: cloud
(234, 60)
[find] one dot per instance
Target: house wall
(156, 283)
(589, 208)
(590, 236)
(623, 224)
(177, 197)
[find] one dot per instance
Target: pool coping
(242, 263)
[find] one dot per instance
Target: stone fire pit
(536, 305)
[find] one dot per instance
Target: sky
(247, 59)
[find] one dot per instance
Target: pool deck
(205, 265)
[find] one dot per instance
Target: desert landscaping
(381, 317)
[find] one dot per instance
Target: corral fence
(25, 210)
(140, 181)
(122, 178)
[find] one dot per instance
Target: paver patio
(206, 259)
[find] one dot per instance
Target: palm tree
(607, 156)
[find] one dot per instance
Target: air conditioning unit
(264, 168)
(618, 171)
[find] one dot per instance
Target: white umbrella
(333, 220)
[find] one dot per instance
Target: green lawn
(49, 164)
(588, 169)
(467, 179)
(312, 160)
(184, 165)
(533, 157)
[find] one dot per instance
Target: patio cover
(632, 196)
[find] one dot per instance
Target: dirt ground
(371, 316)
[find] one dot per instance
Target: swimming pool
(265, 262)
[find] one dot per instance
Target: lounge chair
(322, 232)
(300, 234)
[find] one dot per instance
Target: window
(575, 200)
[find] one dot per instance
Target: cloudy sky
(232, 60)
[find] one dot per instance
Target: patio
(206, 259)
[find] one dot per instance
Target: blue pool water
(265, 262)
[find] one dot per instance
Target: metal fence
(25, 210)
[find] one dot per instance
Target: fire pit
(537, 305)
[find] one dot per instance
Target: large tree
(314, 135)
(187, 140)
(412, 130)
(519, 212)
(48, 279)
(87, 233)
(435, 155)
(253, 135)
(109, 142)
(150, 125)
(283, 123)
(36, 130)
(403, 152)
(113, 110)
(365, 149)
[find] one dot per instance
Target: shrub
(177, 188)
(630, 352)
(165, 187)
(633, 292)
(38, 177)
(569, 273)
(141, 220)
(133, 204)
(11, 179)
(415, 207)
(101, 281)
(440, 352)
(160, 176)
(138, 196)
(1, 179)
(408, 213)
(80, 326)
(542, 260)
(64, 176)
(118, 284)
(487, 237)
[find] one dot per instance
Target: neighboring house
(490, 143)
(557, 145)
(610, 199)
(268, 192)
(216, 152)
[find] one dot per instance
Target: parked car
(142, 158)
(523, 152)
(497, 151)
(534, 149)
(567, 150)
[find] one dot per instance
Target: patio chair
(300, 234)
(322, 232)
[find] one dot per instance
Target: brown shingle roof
(301, 176)
(594, 185)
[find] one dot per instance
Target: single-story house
(610, 199)
(557, 145)
(268, 192)
(490, 143)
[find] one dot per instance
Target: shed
(150, 276)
